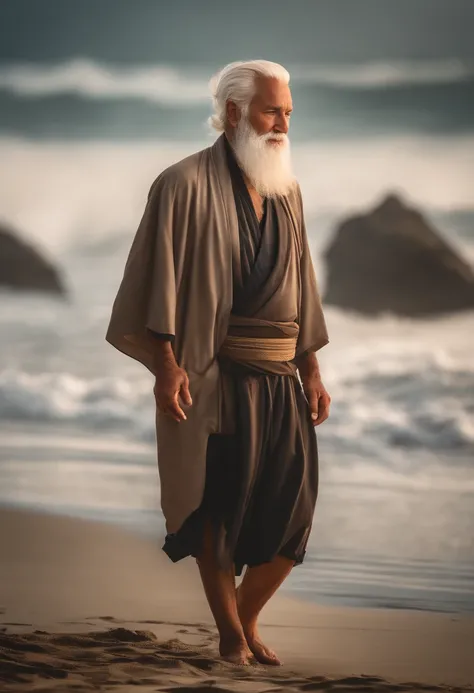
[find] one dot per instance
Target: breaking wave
(179, 86)
(384, 74)
(411, 401)
(107, 403)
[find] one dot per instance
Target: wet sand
(87, 606)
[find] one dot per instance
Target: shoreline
(64, 575)
(315, 562)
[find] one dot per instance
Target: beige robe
(178, 280)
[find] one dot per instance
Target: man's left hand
(318, 399)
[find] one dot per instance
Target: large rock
(24, 269)
(392, 260)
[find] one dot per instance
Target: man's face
(260, 140)
(270, 108)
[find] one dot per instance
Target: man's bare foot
(235, 651)
(261, 652)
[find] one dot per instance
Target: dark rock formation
(392, 260)
(22, 268)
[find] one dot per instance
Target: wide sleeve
(146, 299)
(312, 333)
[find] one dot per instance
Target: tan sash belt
(259, 348)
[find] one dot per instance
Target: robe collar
(219, 160)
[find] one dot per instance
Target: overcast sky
(216, 31)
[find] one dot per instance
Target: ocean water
(81, 140)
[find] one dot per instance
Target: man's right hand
(171, 382)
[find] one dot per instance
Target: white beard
(267, 165)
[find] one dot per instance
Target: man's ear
(232, 113)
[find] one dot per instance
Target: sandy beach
(86, 606)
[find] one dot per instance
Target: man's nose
(282, 124)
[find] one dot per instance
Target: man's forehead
(273, 91)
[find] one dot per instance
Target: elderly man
(219, 301)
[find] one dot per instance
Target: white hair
(236, 82)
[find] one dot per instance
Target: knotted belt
(253, 339)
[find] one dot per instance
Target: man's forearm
(163, 354)
(308, 366)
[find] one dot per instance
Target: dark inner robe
(258, 240)
(262, 477)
